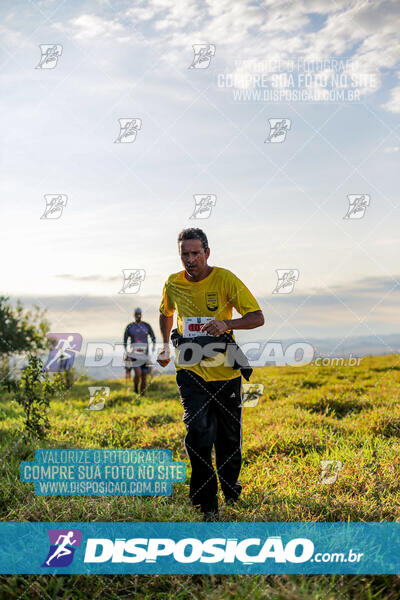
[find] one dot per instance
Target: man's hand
(214, 327)
(164, 356)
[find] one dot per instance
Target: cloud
(323, 311)
(393, 104)
(167, 14)
(362, 292)
(100, 278)
(87, 304)
(95, 317)
(87, 27)
(367, 33)
(367, 306)
(11, 38)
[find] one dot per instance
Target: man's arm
(250, 320)
(165, 327)
(151, 333)
(126, 336)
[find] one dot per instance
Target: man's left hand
(214, 328)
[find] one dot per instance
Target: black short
(197, 393)
(188, 380)
(144, 368)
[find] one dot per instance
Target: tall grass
(306, 415)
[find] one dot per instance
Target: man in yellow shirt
(210, 389)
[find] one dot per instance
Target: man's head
(138, 314)
(193, 250)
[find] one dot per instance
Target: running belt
(225, 342)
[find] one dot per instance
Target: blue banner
(220, 548)
(98, 472)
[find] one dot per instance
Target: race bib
(191, 326)
(137, 349)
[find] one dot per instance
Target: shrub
(34, 391)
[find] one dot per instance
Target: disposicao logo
(63, 543)
(190, 550)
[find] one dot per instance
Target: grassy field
(306, 415)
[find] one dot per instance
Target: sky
(203, 131)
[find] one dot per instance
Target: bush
(5, 371)
(34, 391)
(69, 378)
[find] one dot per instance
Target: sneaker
(211, 515)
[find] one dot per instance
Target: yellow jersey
(214, 296)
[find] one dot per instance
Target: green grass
(307, 414)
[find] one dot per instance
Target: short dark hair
(194, 233)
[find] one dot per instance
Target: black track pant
(213, 416)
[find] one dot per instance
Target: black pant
(213, 416)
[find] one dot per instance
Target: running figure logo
(63, 347)
(55, 203)
(128, 129)
(63, 543)
(278, 129)
(203, 204)
(286, 280)
(203, 54)
(330, 471)
(98, 397)
(132, 280)
(252, 392)
(357, 206)
(50, 54)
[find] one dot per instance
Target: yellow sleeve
(241, 297)
(166, 306)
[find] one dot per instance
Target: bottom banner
(250, 548)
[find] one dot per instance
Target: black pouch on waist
(222, 343)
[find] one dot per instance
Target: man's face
(138, 316)
(193, 256)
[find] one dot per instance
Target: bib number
(192, 325)
(137, 349)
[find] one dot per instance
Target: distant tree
(21, 330)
